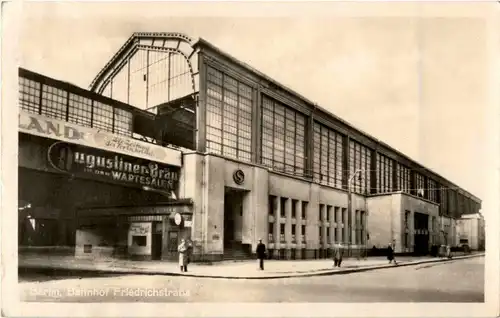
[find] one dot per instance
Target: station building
(177, 139)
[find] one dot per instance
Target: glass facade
(444, 200)
(229, 116)
(58, 103)
(327, 156)
(283, 137)
(432, 189)
(150, 78)
(360, 159)
(384, 181)
(419, 184)
(403, 177)
(29, 95)
(80, 110)
(54, 102)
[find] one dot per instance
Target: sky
(417, 77)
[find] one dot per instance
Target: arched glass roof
(150, 69)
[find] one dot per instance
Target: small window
(139, 240)
(282, 207)
(270, 231)
(87, 248)
(304, 209)
(272, 202)
(294, 208)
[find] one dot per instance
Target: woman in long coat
(390, 254)
(183, 255)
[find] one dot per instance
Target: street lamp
(349, 210)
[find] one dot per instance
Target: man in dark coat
(338, 253)
(390, 254)
(261, 253)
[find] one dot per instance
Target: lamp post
(349, 211)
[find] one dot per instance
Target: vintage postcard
(250, 159)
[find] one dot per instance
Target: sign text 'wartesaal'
(151, 175)
(110, 166)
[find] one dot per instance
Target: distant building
(471, 229)
(176, 138)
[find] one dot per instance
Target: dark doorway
(156, 246)
(233, 225)
(156, 241)
(233, 211)
(421, 237)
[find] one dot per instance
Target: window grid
(327, 156)
(80, 110)
(60, 104)
(283, 141)
(444, 201)
(229, 116)
(419, 184)
(403, 177)
(432, 189)
(54, 102)
(103, 116)
(384, 174)
(29, 95)
(123, 122)
(359, 159)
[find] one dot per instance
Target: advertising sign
(61, 130)
(140, 228)
(114, 167)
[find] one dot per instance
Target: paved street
(456, 281)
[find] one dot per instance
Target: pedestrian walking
(390, 254)
(183, 255)
(189, 250)
(448, 252)
(261, 254)
(338, 253)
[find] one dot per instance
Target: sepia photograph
(172, 154)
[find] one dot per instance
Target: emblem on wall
(239, 177)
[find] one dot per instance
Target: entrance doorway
(421, 237)
(233, 224)
(156, 241)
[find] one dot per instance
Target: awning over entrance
(183, 206)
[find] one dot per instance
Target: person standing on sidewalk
(390, 254)
(261, 254)
(448, 252)
(338, 253)
(183, 251)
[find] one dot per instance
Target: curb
(327, 272)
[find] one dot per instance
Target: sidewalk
(229, 270)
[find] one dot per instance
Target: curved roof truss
(176, 43)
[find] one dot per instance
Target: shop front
(146, 232)
(65, 169)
